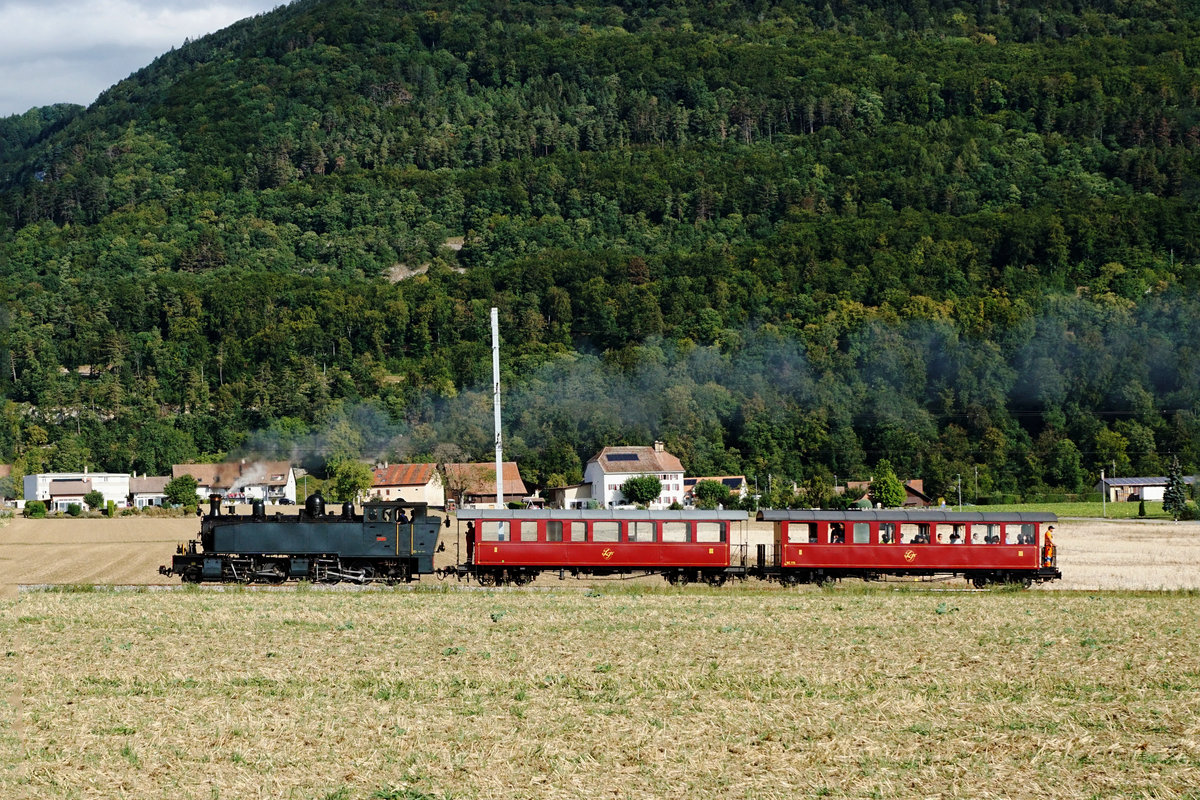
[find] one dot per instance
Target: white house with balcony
(60, 489)
(612, 466)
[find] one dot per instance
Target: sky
(69, 51)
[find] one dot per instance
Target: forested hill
(788, 238)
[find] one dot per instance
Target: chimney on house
(658, 447)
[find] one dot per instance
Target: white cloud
(65, 51)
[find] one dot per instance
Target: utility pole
(960, 492)
(496, 404)
(1103, 496)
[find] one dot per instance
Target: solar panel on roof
(622, 457)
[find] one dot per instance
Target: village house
(1133, 489)
(914, 492)
(612, 466)
(147, 491)
(475, 484)
(272, 481)
(416, 483)
(63, 488)
(736, 484)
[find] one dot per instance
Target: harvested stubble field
(624, 690)
(609, 693)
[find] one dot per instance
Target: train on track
(389, 542)
(395, 541)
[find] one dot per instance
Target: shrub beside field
(204, 694)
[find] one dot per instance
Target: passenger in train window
(955, 538)
(837, 533)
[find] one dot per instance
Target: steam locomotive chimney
(214, 505)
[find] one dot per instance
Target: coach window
(914, 533)
(641, 531)
(606, 531)
(675, 532)
(837, 533)
(578, 533)
(1016, 534)
(554, 531)
(862, 533)
(801, 532)
(528, 531)
(987, 534)
(710, 532)
(494, 531)
(957, 532)
(887, 533)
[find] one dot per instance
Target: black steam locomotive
(390, 542)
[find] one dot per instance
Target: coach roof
(636, 515)
(899, 515)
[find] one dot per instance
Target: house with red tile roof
(415, 483)
(468, 484)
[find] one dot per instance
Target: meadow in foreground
(310, 694)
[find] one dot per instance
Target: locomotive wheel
(192, 574)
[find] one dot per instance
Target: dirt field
(1093, 554)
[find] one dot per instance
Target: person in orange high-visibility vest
(1048, 548)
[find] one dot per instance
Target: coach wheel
(716, 579)
(1026, 582)
(673, 578)
(979, 582)
(486, 578)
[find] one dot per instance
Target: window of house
(554, 531)
(641, 531)
(606, 531)
(710, 532)
(675, 532)
(494, 531)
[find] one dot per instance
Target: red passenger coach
(815, 546)
(684, 546)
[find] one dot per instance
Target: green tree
(886, 489)
(181, 491)
(710, 494)
(642, 490)
(1175, 495)
(94, 499)
(351, 481)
